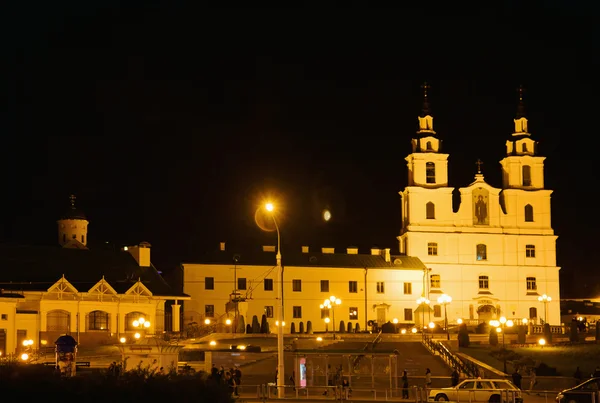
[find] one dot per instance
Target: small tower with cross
(72, 227)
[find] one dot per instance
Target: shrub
(388, 328)
(463, 336)
(301, 328)
(573, 334)
(547, 333)
(522, 334)
(482, 328)
(40, 383)
(241, 324)
(493, 337)
(309, 327)
(342, 327)
(255, 324)
(264, 324)
(293, 328)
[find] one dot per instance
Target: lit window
(481, 252)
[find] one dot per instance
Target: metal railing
(436, 347)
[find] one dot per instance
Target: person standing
(404, 385)
(428, 378)
(516, 377)
(455, 377)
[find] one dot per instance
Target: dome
(73, 214)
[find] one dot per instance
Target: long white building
(495, 256)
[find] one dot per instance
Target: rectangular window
(353, 286)
(268, 284)
(380, 287)
(297, 285)
(297, 312)
(324, 285)
(209, 311)
(408, 314)
(432, 249)
(430, 172)
(353, 311)
(241, 283)
(269, 311)
(4, 316)
(209, 283)
(531, 284)
(435, 281)
(437, 311)
(407, 288)
(484, 282)
(324, 313)
(529, 250)
(481, 252)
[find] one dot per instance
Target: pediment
(102, 288)
(139, 289)
(63, 288)
(478, 185)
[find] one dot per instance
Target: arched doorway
(486, 312)
(58, 320)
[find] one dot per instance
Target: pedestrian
(237, 377)
(578, 376)
(293, 379)
(230, 382)
(428, 378)
(404, 385)
(516, 377)
(345, 389)
(532, 379)
(455, 377)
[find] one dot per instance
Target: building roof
(73, 213)
(37, 268)
(310, 259)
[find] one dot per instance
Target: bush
(40, 383)
(574, 333)
(241, 324)
(482, 328)
(301, 328)
(547, 333)
(493, 337)
(522, 334)
(255, 325)
(309, 327)
(264, 325)
(293, 328)
(342, 327)
(463, 336)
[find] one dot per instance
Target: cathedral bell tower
(522, 168)
(72, 228)
(427, 166)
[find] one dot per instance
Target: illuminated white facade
(496, 254)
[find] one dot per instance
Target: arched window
(428, 147)
(481, 252)
(526, 175)
(98, 320)
(58, 320)
(524, 147)
(529, 213)
(430, 211)
(430, 172)
(132, 317)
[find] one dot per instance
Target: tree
(309, 327)
(293, 328)
(342, 327)
(547, 333)
(301, 328)
(248, 329)
(463, 336)
(255, 325)
(493, 337)
(264, 324)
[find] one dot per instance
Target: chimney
(305, 249)
(375, 251)
(352, 250)
(327, 250)
(141, 253)
(386, 254)
(268, 248)
(222, 246)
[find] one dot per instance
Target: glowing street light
(270, 207)
(545, 299)
(445, 300)
(501, 326)
(422, 301)
(331, 303)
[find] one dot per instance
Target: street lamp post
(445, 300)
(331, 303)
(545, 299)
(422, 301)
(280, 358)
(504, 323)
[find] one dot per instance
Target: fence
(463, 367)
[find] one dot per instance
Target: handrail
(372, 344)
(453, 361)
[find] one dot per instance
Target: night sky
(171, 124)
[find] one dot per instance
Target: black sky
(170, 123)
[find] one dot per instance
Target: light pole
(545, 299)
(331, 303)
(422, 301)
(501, 325)
(280, 358)
(445, 300)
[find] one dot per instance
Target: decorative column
(175, 317)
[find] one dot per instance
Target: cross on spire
(72, 198)
(479, 163)
(425, 110)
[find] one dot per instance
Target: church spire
(425, 118)
(521, 120)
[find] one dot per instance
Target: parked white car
(478, 390)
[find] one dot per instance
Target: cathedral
(96, 296)
(493, 257)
